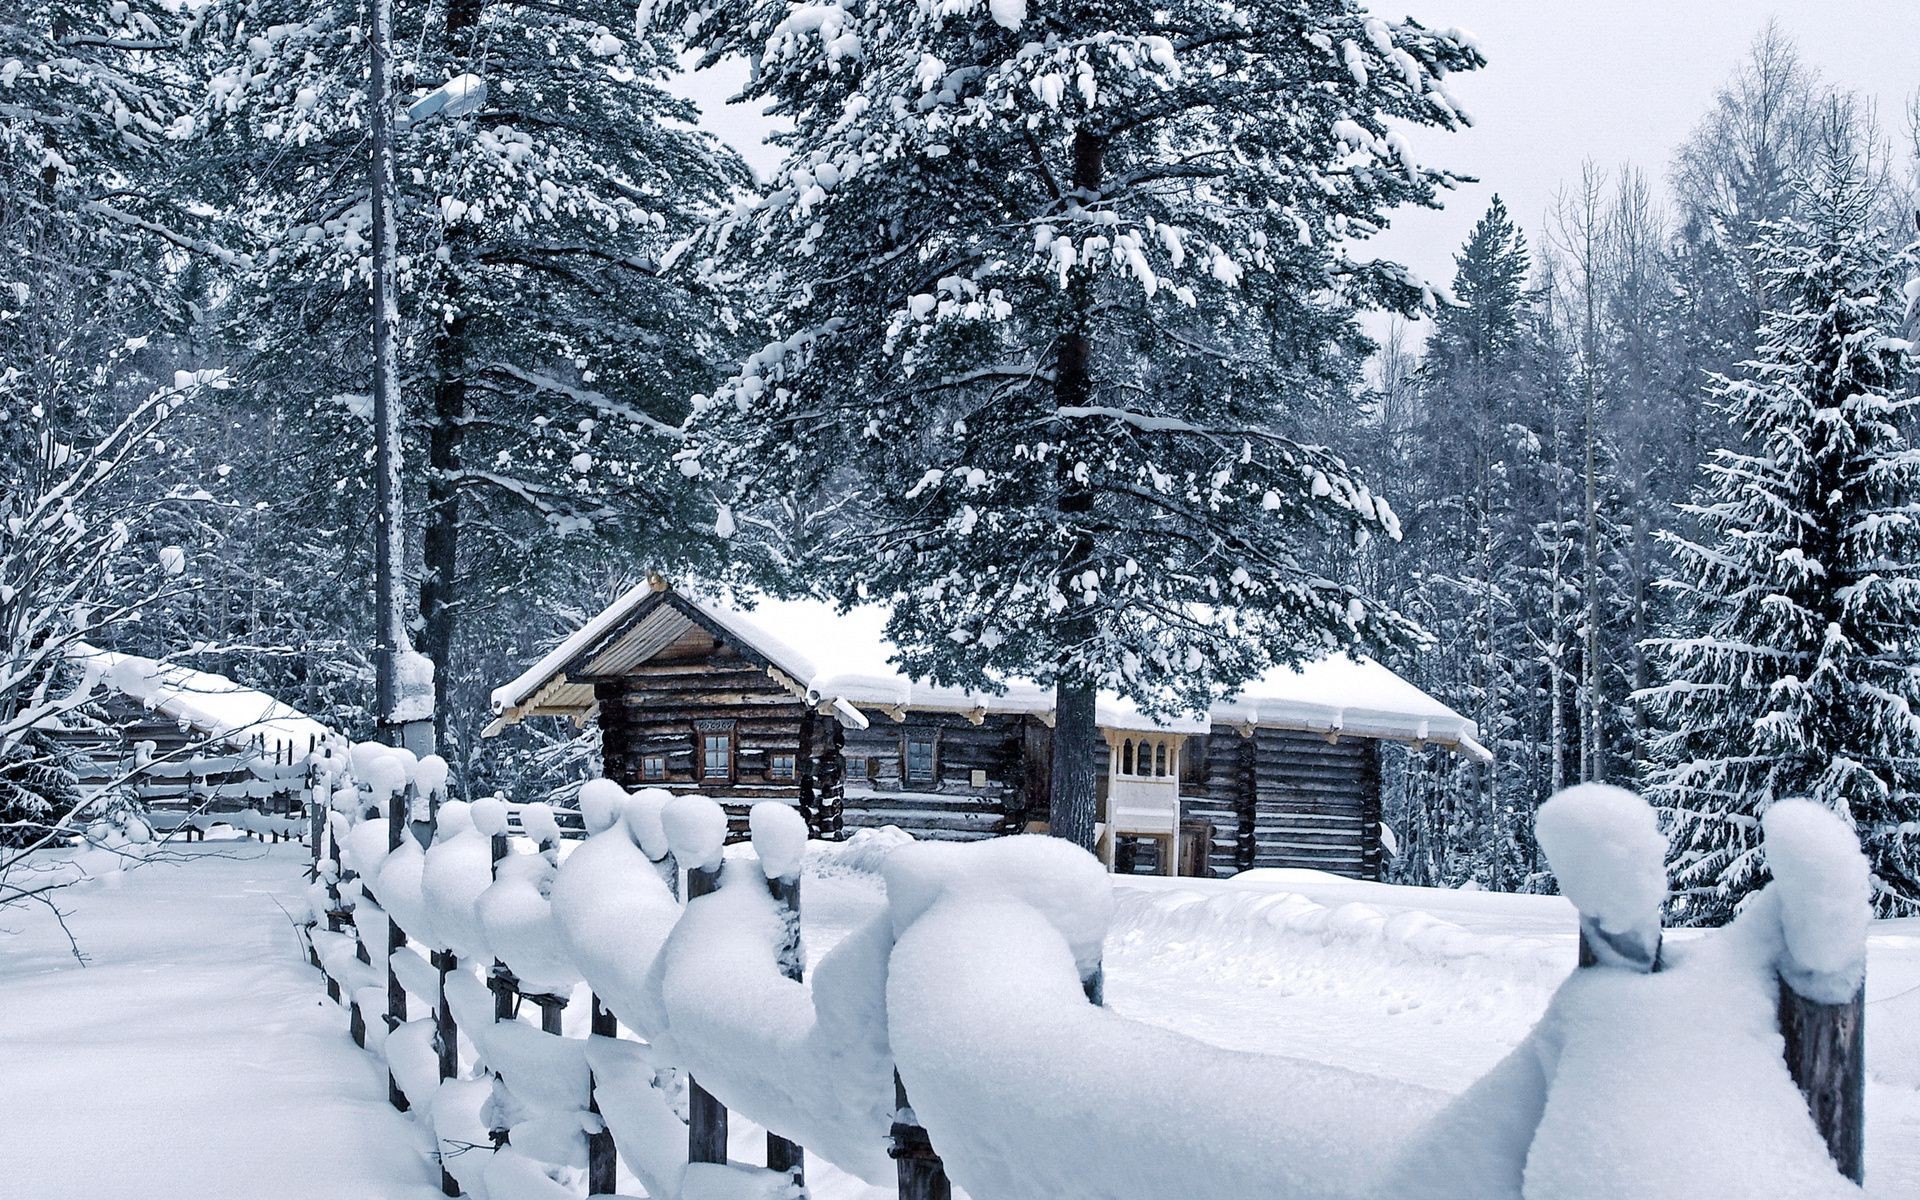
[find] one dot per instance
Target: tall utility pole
(390, 545)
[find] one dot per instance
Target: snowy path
(196, 1056)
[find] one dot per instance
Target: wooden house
(192, 748)
(791, 700)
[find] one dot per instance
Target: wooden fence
(1824, 1043)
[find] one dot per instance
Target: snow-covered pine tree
(545, 363)
(1799, 678)
(1471, 476)
(1055, 290)
(92, 96)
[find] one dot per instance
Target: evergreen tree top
(1095, 255)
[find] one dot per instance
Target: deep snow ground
(196, 1057)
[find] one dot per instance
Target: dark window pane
(920, 758)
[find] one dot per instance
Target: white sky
(1614, 81)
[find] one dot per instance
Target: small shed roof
(842, 660)
(213, 705)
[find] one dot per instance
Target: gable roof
(843, 661)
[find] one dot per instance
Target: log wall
(953, 806)
(1313, 803)
(659, 709)
(656, 709)
(1277, 799)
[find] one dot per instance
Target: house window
(653, 766)
(716, 751)
(1126, 757)
(1193, 761)
(1159, 759)
(780, 766)
(920, 758)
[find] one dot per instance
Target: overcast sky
(1614, 81)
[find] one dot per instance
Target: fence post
(1821, 882)
(706, 1116)
(335, 916)
(317, 824)
(397, 810)
(783, 1155)
(921, 1174)
(357, 1018)
(602, 1156)
(446, 1036)
(1827, 1054)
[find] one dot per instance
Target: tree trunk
(440, 542)
(440, 539)
(1073, 795)
(390, 547)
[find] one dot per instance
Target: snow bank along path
(965, 992)
(192, 1059)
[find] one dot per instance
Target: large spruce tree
(1055, 292)
(1800, 680)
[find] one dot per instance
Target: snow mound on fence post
(696, 828)
(366, 848)
(600, 803)
(1026, 1089)
(398, 886)
(1823, 888)
(519, 923)
(1608, 853)
(779, 838)
(459, 867)
(1582, 1109)
(644, 821)
(810, 1065)
(1064, 883)
(612, 911)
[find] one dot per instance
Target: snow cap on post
(430, 776)
(696, 829)
(384, 777)
(643, 821)
(489, 815)
(363, 755)
(1821, 879)
(538, 821)
(600, 803)
(453, 819)
(1605, 847)
(779, 838)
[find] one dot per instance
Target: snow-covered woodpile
(745, 698)
(958, 1035)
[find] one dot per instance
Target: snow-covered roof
(843, 661)
(214, 705)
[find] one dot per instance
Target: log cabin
(755, 699)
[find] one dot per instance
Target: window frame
(791, 763)
(703, 730)
(931, 739)
(653, 768)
